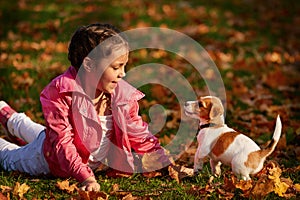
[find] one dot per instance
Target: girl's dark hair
(87, 38)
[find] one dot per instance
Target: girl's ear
(88, 64)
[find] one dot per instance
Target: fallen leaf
(120, 194)
(3, 197)
(117, 174)
(91, 195)
(244, 185)
(262, 188)
(129, 197)
(150, 161)
(225, 194)
(20, 190)
(152, 174)
(281, 188)
(229, 183)
(297, 187)
(179, 172)
(65, 185)
(270, 181)
(5, 189)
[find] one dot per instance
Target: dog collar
(207, 125)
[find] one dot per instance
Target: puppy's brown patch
(205, 107)
(223, 142)
(255, 157)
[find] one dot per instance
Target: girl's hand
(90, 184)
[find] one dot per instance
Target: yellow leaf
(297, 187)
(65, 185)
(273, 170)
(281, 188)
(20, 190)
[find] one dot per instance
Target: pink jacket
(73, 128)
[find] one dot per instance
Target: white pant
(28, 158)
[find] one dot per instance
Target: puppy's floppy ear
(216, 109)
(88, 64)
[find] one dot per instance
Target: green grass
(267, 26)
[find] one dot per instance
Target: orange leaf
(3, 197)
(297, 187)
(244, 185)
(91, 195)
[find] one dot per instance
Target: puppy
(223, 144)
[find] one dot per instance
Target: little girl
(91, 115)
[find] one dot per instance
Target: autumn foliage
(255, 45)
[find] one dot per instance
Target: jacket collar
(123, 94)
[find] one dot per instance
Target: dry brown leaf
(225, 194)
(117, 192)
(270, 181)
(174, 173)
(152, 174)
(117, 174)
(20, 190)
(229, 183)
(244, 185)
(5, 189)
(150, 161)
(179, 172)
(92, 195)
(3, 197)
(65, 185)
(129, 197)
(262, 188)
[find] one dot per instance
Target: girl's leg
(23, 127)
(29, 158)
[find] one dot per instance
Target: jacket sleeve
(60, 136)
(140, 138)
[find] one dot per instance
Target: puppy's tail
(270, 148)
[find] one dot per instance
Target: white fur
(236, 153)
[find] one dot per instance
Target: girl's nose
(122, 74)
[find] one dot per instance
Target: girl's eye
(115, 67)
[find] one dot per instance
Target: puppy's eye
(200, 104)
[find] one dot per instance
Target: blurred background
(255, 45)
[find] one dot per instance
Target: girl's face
(114, 70)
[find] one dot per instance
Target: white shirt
(97, 157)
